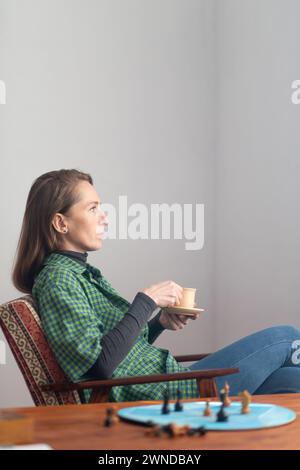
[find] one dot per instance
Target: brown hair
(50, 193)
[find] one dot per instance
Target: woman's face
(83, 227)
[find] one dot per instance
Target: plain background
(164, 101)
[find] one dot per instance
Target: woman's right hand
(165, 294)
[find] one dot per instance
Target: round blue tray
(261, 416)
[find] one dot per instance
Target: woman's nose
(104, 218)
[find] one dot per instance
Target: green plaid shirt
(77, 306)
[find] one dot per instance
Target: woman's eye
(92, 208)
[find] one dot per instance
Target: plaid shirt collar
(58, 259)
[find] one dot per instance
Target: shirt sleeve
(71, 326)
(117, 343)
(155, 328)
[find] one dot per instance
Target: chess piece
(114, 415)
(207, 410)
(178, 404)
(222, 396)
(111, 417)
(175, 430)
(167, 429)
(155, 430)
(201, 431)
(221, 415)
(227, 401)
(165, 408)
(246, 400)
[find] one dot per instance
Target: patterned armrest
(22, 329)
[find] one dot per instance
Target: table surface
(81, 427)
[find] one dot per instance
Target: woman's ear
(59, 224)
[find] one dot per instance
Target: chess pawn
(108, 422)
(246, 399)
(114, 415)
(207, 410)
(111, 417)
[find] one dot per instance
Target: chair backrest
(23, 331)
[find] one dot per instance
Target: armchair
(47, 382)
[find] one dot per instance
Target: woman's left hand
(175, 321)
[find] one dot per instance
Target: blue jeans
(266, 360)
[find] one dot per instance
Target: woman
(94, 332)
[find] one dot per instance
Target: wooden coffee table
(81, 427)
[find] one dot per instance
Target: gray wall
(125, 91)
(258, 166)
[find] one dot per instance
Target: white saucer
(183, 310)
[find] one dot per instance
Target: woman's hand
(165, 294)
(174, 321)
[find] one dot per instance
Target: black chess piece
(178, 404)
(168, 430)
(165, 408)
(108, 422)
(221, 415)
(201, 431)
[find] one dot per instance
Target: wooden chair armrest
(138, 379)
(191, 357)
